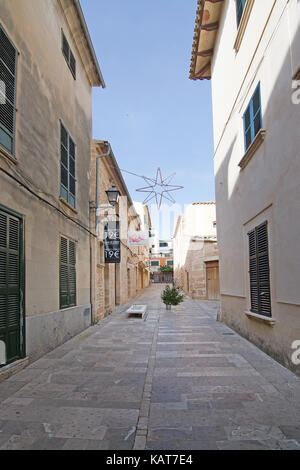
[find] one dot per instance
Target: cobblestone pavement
(175, 380)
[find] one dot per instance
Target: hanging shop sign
(112, 243)
(138, 238)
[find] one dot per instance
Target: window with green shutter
(67, 167)
(252, 118)
(259, 270)
(69, 56)
(11, 286)
(67, 274)
(8, 65)
(240, 5)
(154, 263)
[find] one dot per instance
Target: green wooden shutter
(69, 56)
(253, 272)
(10, 285)
(63, 275)
(67, 274)
(72, 64)
(253, 118)
(8, 62)
(67, 167)
(65, 47)
(264, 291)
(72, 180)
(260, 292)
(240, 5)
(72, 274)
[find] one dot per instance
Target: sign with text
(112, 243)
(138, 238)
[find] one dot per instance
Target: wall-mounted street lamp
(113, 195)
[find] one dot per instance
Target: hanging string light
(159, 188)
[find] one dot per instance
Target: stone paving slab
(176, 380)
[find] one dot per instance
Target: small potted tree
(171, 296)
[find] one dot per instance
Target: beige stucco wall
(47, 93)
(268, 188)
(197, 221)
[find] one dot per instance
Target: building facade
(143, 211)
(251, 51)
(196, 257)
(161, 253)
(165, 248)
(48, 68)
(154, 241)
(158, 262)
(114, 281)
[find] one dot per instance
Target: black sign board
(112, 244)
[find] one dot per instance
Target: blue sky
(150, 111)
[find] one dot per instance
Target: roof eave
(81, 36)
(205, 33)
(116, 168)
(89, 43)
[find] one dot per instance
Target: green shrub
(166, 269)
(172, 296)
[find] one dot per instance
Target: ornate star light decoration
(159, 188)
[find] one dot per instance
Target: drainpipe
(106, 154)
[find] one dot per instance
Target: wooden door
(128, 284)
(212, 280)
(187, 281)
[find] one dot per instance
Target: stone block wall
(191, 277)
(114, 284)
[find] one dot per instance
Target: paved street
(175, 380)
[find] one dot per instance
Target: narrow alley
(176, 379)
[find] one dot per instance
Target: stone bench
(137, 311)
